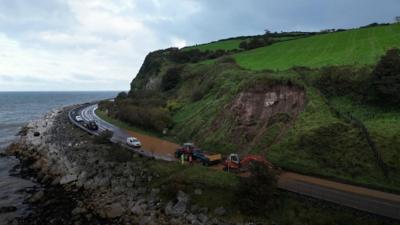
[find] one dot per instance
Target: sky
(69, 45)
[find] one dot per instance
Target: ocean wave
(4, 126)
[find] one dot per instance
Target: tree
(122, 95)
(386, 77)
(397, 19)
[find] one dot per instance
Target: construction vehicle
(186, 149)
(235, 164)
(206, 159)
(189, 149)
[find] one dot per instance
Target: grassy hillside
(309, 127)
(358, 46)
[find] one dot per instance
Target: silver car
(133, 142)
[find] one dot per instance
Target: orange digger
(235, 164)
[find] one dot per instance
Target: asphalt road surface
(364, 199)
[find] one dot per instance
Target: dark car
(91, 125)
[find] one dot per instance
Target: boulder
(137, 209)
(182, 197)
(114, 210)
(68, 179)
(7, 209)
(191, 218)
(78, 210)
(202, 218)
(220, 211)
(179, 208)
(36, 197)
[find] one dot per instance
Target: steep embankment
(316, 121)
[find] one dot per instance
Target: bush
(194, 55)
(104, 137)
(255, 193)
(344, 80)
(386, 77)
(146, 117)
(171, 78)
(197, 95)
(256, 43)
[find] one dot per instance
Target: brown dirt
(155, 145)
(254, 110)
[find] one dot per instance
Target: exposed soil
(254, 110)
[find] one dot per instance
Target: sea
(16, 110)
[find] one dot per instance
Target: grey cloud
(106, 54)
(225, 18)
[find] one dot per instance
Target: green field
(353, 47)
(218, 45)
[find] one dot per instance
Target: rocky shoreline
(88, 183)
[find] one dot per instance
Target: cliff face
(148, 75)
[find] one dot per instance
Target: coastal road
(360, 198)
(87, 113)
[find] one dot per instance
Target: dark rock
(114, 210)
(202, 218)
(7, 209)
(182, 197)
(36, 197)
(220, 211)
(36, 133)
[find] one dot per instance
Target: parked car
(78, 119)
(133, 142)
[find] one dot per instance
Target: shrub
(256, 42)
(146, 117)
(194, 55)
(344, 80)
(197, 95)
(386, 77)
(255, 193)
(171, 78)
